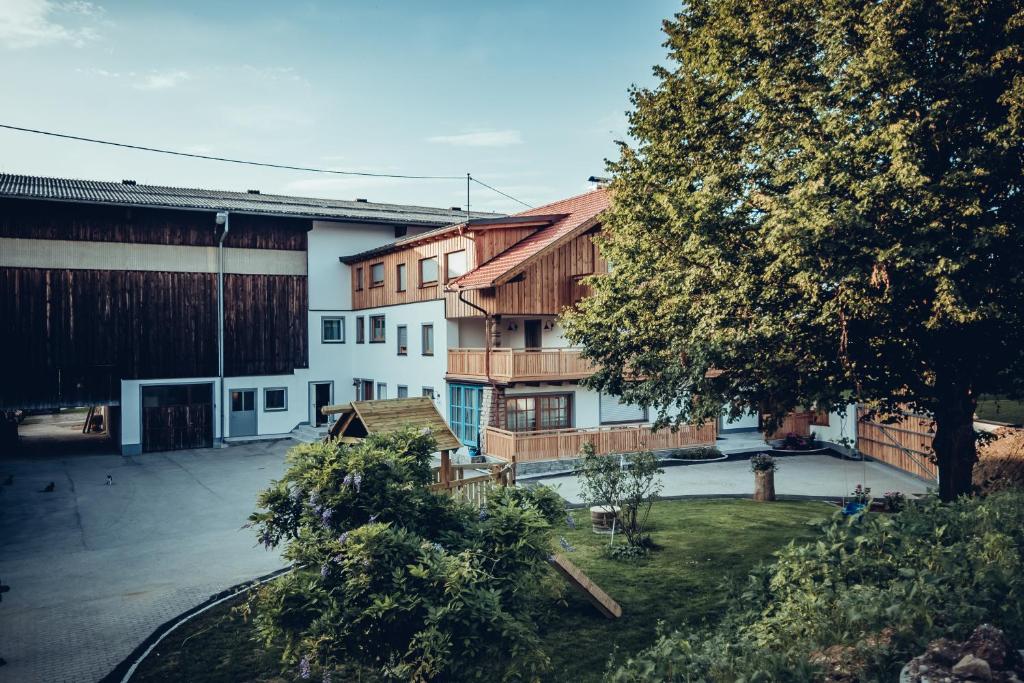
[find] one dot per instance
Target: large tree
(822, 199)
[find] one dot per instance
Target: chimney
(362, 199)
(253, 191)
(600, 180)
(128, 182)
(456, 208)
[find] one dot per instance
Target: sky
(528, 96)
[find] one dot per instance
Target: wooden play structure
(359, 419)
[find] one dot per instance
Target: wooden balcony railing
(565, 443)
(519, 365)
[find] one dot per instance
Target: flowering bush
(762, 462)
(894, 501)
(797, 442)
(861, 494)
(393, 580)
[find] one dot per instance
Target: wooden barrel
(601, 518)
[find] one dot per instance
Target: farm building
(109, 293)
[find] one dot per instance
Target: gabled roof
(579, 214)
(156, 196)
(359, 418)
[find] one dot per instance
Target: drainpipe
(487, 337)
(222, 219)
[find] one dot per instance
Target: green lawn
(1000, 410)
(703, 543)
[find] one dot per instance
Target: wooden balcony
(565, 443)
(518, 365)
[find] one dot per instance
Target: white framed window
(376, 329)
(428, 271)
(428, 392)
(332, 330)
(403, 391)
(360, 329)
(427, 340)
(275, 399)
(455, 264)
(382, 390)
(402, 277)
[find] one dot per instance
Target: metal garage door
(614, 411)
(177, 416)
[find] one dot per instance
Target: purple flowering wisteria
(304, 671)
(325, 516)
(483, 513)
(324, 570)
(570, 521)
(343, 538)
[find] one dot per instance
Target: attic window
(377, 275)
(455, 265)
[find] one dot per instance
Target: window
(428, 271)
(529, 413)
(403, 391)
(242, 401)
(402, 332)
(455, 264)
(614, 411)
(376, 329)
(464, 412)
(274, 399)
(382, 390)
(332, 330)
(359, 278)
(403, 278)
(364, 389)
(428, 392)
(360, 329)
(427, 340)
(377, 275)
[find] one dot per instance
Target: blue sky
(528, 96)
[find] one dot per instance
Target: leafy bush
(696, 453)
(393, 580)
(631, 485)
(543, 498)
(762, 462)
(877, 588)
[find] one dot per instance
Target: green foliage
(393, 579)
(630, 484)
(881, 585)
(824, 199)
(763, 462)
(544, 498)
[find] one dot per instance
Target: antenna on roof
(468, 178)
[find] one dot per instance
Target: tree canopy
(823, 199)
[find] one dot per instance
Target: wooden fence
(474, 489)
(566, 443)
(906, 443)
(794, 423)
(509, 364)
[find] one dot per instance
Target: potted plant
(893, 501)
(860, 499)
(763, 466)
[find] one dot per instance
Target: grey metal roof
(124, 194)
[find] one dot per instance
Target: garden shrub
(394, 581)
(628, 482)
(874, 588)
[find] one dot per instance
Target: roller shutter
(614, 411)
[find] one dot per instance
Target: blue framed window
(464, 403)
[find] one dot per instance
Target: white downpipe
(223, 218)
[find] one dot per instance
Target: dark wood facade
(71, 335)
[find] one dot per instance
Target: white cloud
(162, 80)
(33, 23)
(491, 138)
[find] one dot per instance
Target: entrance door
(243, 413)
(464, 403)
(531, 330)
(321, 397)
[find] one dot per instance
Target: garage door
(177, 416)
(614, 411)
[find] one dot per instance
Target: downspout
(223, 218)
(487, 336)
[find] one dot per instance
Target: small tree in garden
(393, 580)
(631, 486)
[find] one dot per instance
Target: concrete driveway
(94, 569)
(822, 476)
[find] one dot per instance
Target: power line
(244, 162)
(494, 189)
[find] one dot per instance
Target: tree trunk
(954, 443)
(764, 485)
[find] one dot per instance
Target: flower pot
(764, 485)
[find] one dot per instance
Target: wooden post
(446, 466)
(764, 485)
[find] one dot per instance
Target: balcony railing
(565, 443)
(519, 365)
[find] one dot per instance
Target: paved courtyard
(799, 475)
(95, 569)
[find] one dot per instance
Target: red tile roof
(581, 212)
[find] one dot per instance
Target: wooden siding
(97, 223)
(73, 334)
(490, 243)
(906, 443)
(548, 286)
(518, 365)
(172, 428)
(794, 423)
(388, 294)
(554, 444)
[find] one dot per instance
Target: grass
(1000, 410)
(703, 544)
